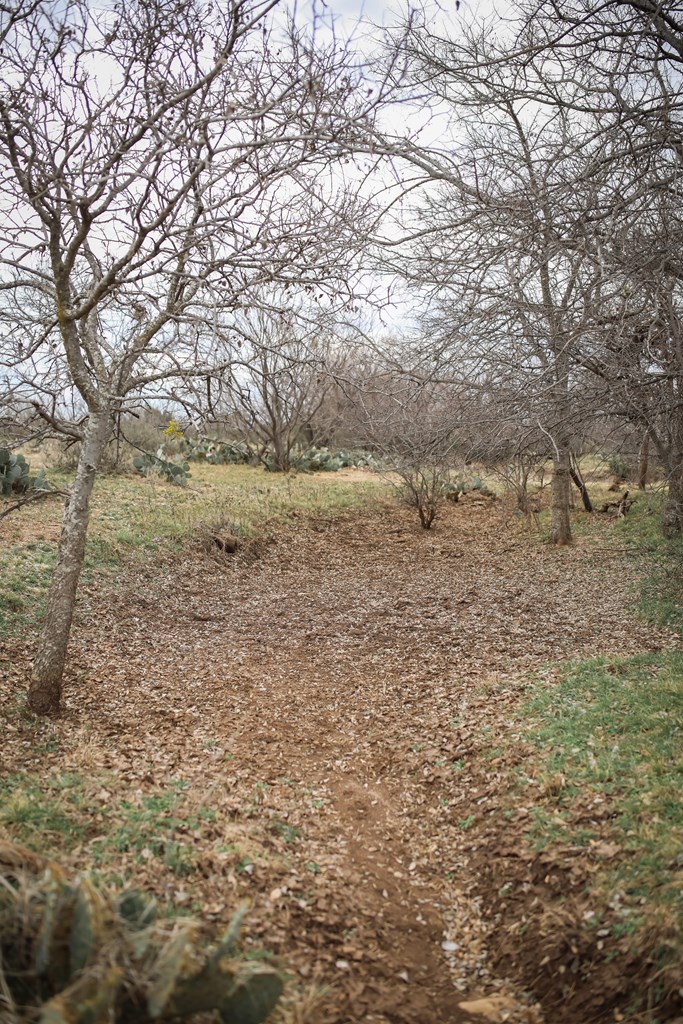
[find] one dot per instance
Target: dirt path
(321, 698)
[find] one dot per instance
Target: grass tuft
(613, 730)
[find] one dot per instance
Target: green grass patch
(660, 596)
(614, 729)
(153, 827)
(45, 815)
(59, 812)
(138, 513)
(287, 832)
(609, 760)
(25, 572)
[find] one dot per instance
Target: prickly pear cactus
(150, 465)
(71, 955)
(453, 491)
(15, 475)
(220, 453)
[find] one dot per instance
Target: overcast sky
(351, 11)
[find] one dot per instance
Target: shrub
(423, 488)
(15, 475)
(158, 465)
(620, 467)
(76, 956)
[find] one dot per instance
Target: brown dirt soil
(313, 700)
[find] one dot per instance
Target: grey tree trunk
(672, 515)
(643, 462)
(575, 473)
(561, 489)
(45, 690)
(281, 451)
(560, 528)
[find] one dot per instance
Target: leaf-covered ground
(329, 725)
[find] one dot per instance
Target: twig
(42, 492)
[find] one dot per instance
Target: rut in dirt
(333, 662)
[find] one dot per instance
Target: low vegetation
(77, 956)
(311, 459)
(599, 762)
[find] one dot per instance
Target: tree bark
(580, 483)
(643, 462)
(672, 515)
(560, 489)
(45, 690)
(560, 529)
(281, 451)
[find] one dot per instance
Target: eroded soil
(323, 700)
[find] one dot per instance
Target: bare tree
(153, 174)
(634, 95)
(287, 371)
(545, 231)
(497, 239)
(411, 428)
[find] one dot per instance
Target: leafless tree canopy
(544, 229)
(158, 166)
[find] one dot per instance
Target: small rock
(493, 1008)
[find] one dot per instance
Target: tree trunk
(643, 462)
(580, 483)
(46, 681)
(672, 516)
(281, 451)
(560, 529)
(560, 489)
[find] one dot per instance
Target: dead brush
(70, 954)
(226, 541)
(219, 538)
(308, 1004)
